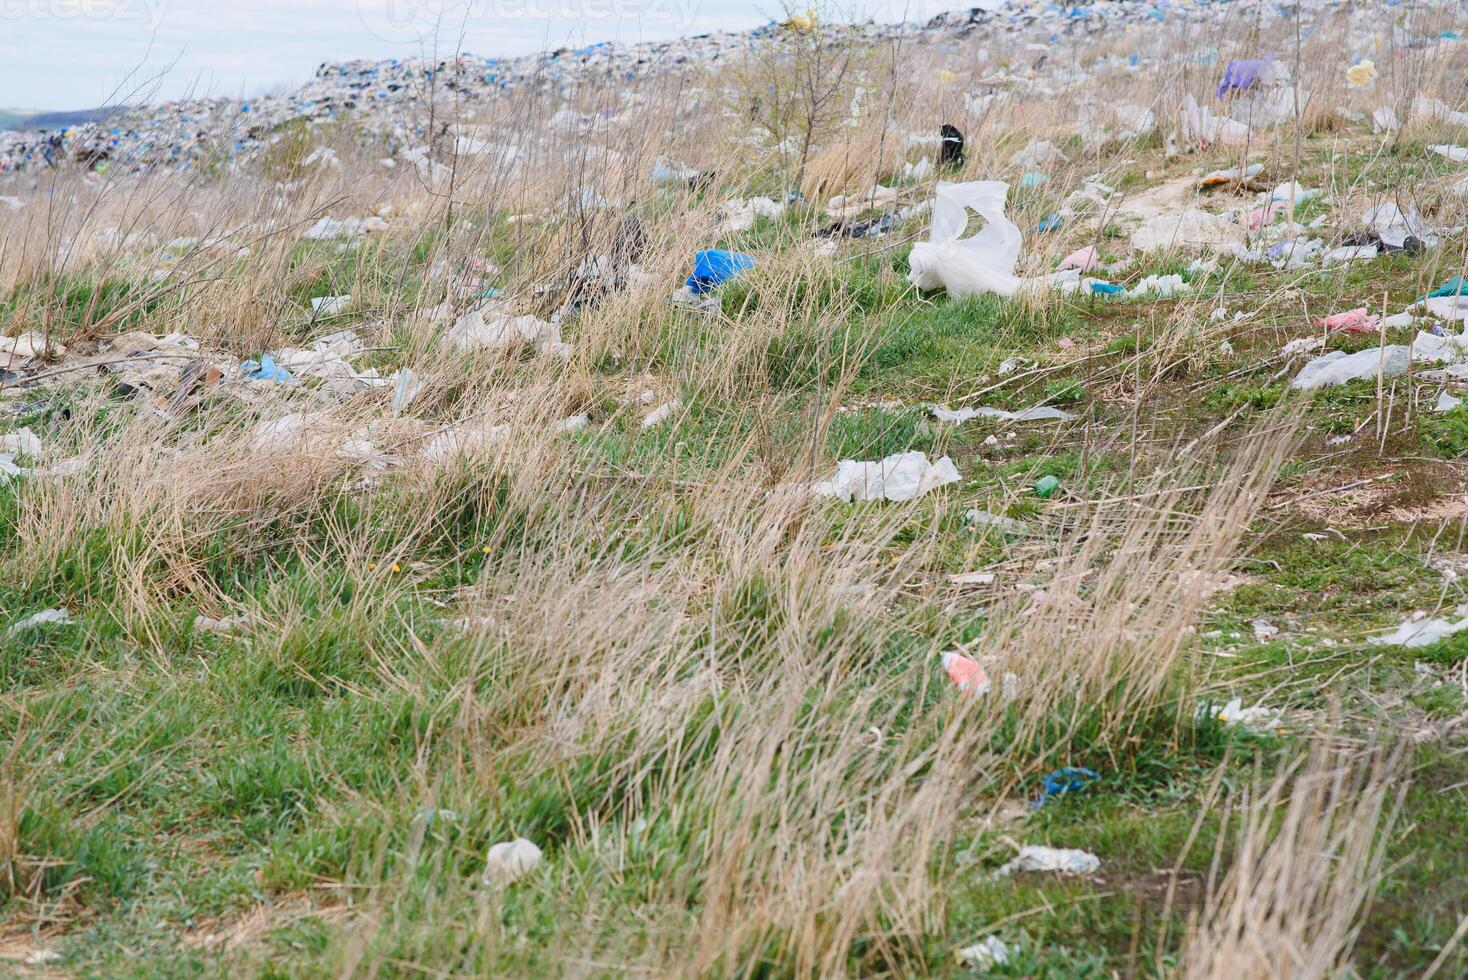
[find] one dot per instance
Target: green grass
(677, 683)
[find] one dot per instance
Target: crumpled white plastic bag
(509, 860)
(1063, 860)
(1189, 228)
(1415, 633)
(900, 477)
(1039, 413)
(982, 263)
(493, 329)
(1338, 367)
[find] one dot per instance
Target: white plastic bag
(900, 477)
(509, 860)
(1063, 860)
(1337, 367)
(1040, 413)
(983, 263)
(1422, 632)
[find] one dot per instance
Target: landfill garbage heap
(388, 97)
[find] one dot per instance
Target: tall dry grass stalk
(1308, 850)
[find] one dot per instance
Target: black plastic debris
(950, 150)
(1411, 245)
(871, 228)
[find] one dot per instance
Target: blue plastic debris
(1455, 286)
(1240, 76)
(1033, 179)
(266, 370)
(1106, 288)
(714, 267)
(1063, 781)
(1050, 223)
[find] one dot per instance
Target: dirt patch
(250, 926)
(29, 953)
(1428, 495)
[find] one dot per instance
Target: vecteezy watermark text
(147, 13)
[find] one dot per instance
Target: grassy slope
(215, 805)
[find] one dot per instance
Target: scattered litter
(1069, 861)
(982, 518)
(1349, 253)
(464, 439)
(1384, 119)
(966, 673)
(1426, 107)
(972, 578)
(661, 414)
(917, 171)
(266, 369)
(1447, 402)
(509, 860)
(226, 626)
(1241, 75)
(740, 214)
(1361, 74)
(1338, 367)
(1421, 632)
(1039, 413)
(1234, 713)
(1160, 286)
(499, 331)
(714, 267)
(1264, 630)
(982, 263)
(405, 389)
(1083, 259)
(1351, 321)
(1447, 307)
(29, 344)
(1038, 155)
(1063, 781)
(950, 147)
(1189, 228)
(900, 477)
(1231, 175)
(22, 442)
(1395, 227)
(1046, 486)
(984, 955)
(327, 229)
(46, 617)
(330, 305)
(1455, 286)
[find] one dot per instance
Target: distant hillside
(11, 119)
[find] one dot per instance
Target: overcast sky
(74, 54)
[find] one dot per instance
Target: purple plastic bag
(1240, 76)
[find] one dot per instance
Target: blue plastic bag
(267, 370)
(1064, 781)
(714, 267)
(1240, 76)
(1455, 286)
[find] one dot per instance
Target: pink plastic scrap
(1351, 321)
(1082, 259)
(1260, 217)
(966, 673)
